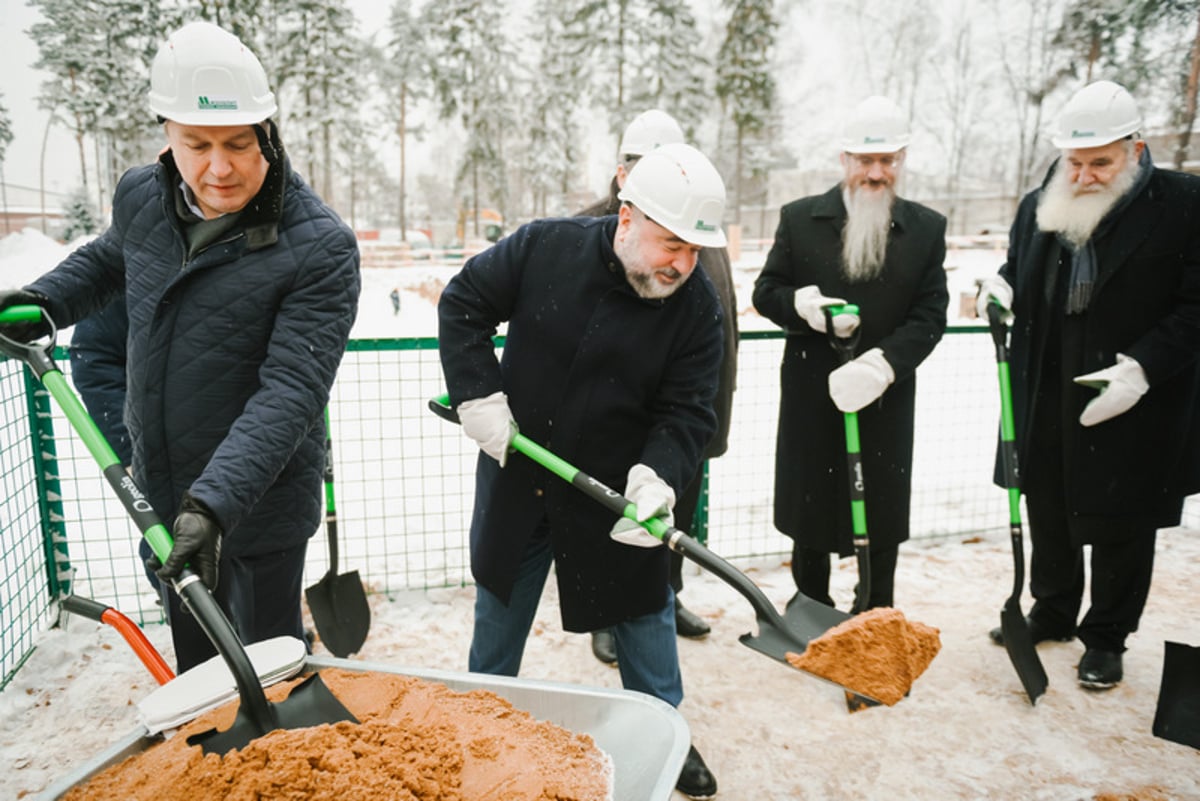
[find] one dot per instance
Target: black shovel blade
(309, 704)
(1021, 651)
(1178, 715)
(340, 612)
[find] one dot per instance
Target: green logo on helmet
(701, 225)
(1078, 134)
(205, 103)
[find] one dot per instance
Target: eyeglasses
(867, 160)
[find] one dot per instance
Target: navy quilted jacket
(231, 354)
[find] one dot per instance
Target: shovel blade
(1178, 715)
(309, 704)
(340, 612)
(1018, 642)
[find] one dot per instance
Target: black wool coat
(602, 378)
(903, 312)
(1146, 304)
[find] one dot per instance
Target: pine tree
(744, 82)
(553, 148)
(79, 216)
(6, 137)
(405, 77)
(318, 55)
(472, 70)
(671, 68)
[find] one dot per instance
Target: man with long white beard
(1102, 281)
(858, 243)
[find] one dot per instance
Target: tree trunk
(1189, 101)
(402, 130)
(737, 177)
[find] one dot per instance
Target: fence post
(45, 470)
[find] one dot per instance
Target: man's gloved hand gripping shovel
(778, 635)
(310, 703)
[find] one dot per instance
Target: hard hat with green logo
(875, 126)
(1099, 113)
(678, 187)
(204, 75)
(649, 130)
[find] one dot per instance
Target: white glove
(994, 287)
(489, 422)
(1121, 386)
(810, 305)
(653, 498)
(861, 381)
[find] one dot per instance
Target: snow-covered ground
(967, 731)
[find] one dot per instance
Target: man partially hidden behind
(1102, 282)
(858, 243)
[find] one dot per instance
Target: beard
(1074, 214)
(865, 237)
(638, 271)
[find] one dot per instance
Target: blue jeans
(646, 652)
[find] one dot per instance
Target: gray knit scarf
(1083, 259)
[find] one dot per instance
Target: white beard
(865, 237)
(1075, 215)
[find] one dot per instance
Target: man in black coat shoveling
(1102, 281)
(645, 132)
(241, 287)
(858, 243)
(611, 361)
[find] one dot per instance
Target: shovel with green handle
(338, 602)
(845, 347)
(778, 635)
(310, 703)
(1018, 641)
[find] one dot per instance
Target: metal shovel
(1018, 641)
(338, 602)
(778, 635)
(310, 703)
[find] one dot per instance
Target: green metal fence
(404, 480)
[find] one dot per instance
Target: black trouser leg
(1055, 567)
(1121, 573)
(685, 515)
(883, 577)
(810, 570)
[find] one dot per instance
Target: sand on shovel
(878, 653)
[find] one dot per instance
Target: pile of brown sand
(878, 653)
(416, 740)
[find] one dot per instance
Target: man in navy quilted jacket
(241, 287)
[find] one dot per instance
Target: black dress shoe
(1037, 632)
(688, 623)
(604, 646)
(695, 779)
(1100, 670)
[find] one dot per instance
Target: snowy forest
(457, 105)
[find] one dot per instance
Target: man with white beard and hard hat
(1102, 283)
(858, 243)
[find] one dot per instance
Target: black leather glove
(197, 544)
(25, 331)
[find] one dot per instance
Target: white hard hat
(876, 126)
(649, 130)
(204, 75)
(1099, 113)
(680, 189)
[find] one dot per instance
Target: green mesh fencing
(403, 481)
